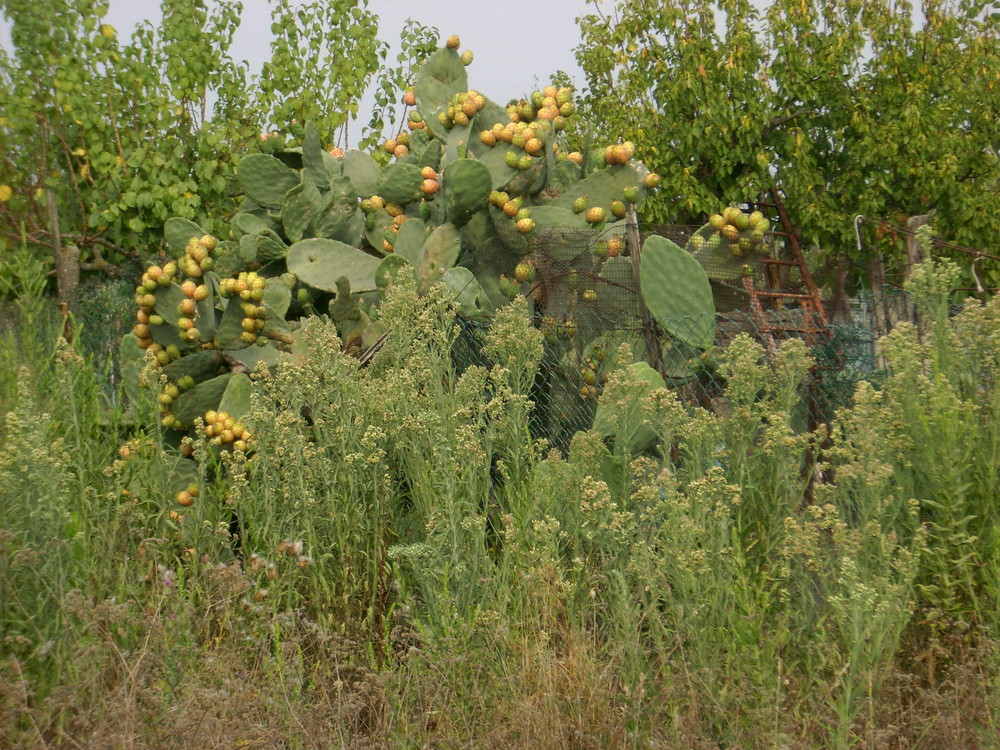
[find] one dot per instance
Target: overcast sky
(516, 47)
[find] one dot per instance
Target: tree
(101, 141)
(856, 107)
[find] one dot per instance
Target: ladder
(813, 323)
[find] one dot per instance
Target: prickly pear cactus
(321, 231)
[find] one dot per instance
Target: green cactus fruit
(467, 57)
(589, 295)
(630, 193)
(320, 262)
(729, 213)
(580, 204)
(677, 292)
(741, 221)
(266, 179)
(596, 214)
(507, 288)
(511, 159)
(730, 232)
(618, 209)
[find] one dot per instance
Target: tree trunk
(67, 260)
(838, 309)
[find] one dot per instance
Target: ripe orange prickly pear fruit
(525, 225)
(652, 181)
(524, 271)
(596, 214)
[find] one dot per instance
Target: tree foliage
(119, 135)
(849, 107)
(102, 139)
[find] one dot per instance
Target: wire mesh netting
(586, 301)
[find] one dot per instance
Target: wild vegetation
(412, 567)
(248, 536)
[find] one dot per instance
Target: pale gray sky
(517, 46)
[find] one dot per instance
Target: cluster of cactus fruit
(323, 231)
(735, 231)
